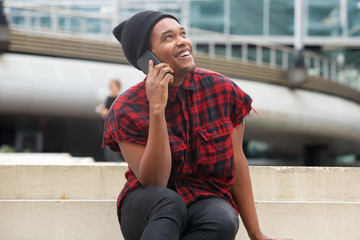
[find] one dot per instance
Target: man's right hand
(151, 163)
(157, 83)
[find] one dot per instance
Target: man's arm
(242, 189)
(152, 163)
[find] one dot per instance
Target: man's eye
(183, 33)
(168, 37)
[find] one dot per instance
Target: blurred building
(331, 27)
(260, 32)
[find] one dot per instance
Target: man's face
(170, 45)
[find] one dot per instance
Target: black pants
(160, 213)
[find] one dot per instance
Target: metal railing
(273, 56)
(75, 19)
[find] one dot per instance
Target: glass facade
(239, 17)
(270, 20)
(275, 17)
(207, 15)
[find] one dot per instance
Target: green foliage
(6, 149)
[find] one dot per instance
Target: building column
(4, 30)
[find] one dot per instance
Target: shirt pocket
(215, 148)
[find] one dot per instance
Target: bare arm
(152, 163)
(242, 189)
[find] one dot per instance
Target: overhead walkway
(327, 77)
(324, 111)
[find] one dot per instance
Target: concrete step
(96, 219)
(306, 183)
(43, 159)
(296, 202)
(98, 181)
(57, 182)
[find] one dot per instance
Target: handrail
(40, 42)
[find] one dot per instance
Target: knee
(229, 225)
(170, 204)
(223, 219)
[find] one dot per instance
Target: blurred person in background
(103, 109)
(115, 88)
(181, 132)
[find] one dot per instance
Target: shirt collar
(188, 84)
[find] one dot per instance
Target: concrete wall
(79, 202)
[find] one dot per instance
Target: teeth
(186, 53)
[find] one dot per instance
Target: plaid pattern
(200, 116)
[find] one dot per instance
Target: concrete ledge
(56, 182)
(294, 202)
(43, 159)
(52, 219)
(96, 219)
(306, 183)
(308, 220)
(106, 181)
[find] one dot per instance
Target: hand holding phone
(143, 61)
(157, 80)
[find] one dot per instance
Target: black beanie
(133, 33)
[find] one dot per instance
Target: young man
(181, 133)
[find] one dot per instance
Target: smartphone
(143, 61)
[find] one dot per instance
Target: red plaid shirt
(200, 116)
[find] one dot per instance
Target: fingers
(169, 78)
(160, 72)
(157, 84)
(165, 74)
(150, 67)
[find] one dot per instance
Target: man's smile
(183, 53)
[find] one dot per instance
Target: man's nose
(180, 41)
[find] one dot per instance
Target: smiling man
(180, 131)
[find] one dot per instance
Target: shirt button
(188, 162)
